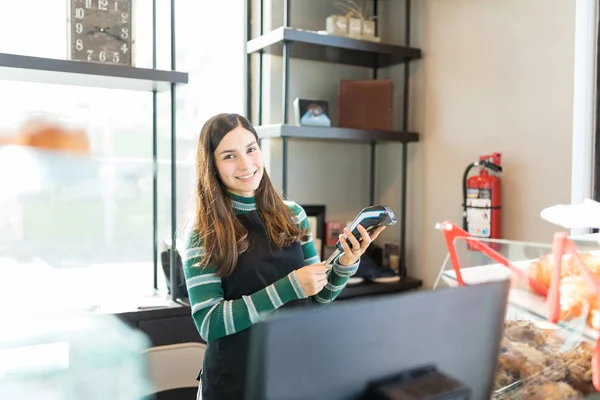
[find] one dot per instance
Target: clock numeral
(124, 48)
(79, 13)
(124, 33)
(103, 5)
(79, 27)
(90, 53)
(88, 3)
(79, 44)
(116, 5)
(116, 57)
(102, 56)
(124, 17)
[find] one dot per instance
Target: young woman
(249, 253)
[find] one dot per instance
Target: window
(89, 217)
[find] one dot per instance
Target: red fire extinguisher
(481, 198)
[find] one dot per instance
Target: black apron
(223, 372)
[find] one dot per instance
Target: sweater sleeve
(338, 275)
(216, 317)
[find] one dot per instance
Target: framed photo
(311, 112)
(316, 219)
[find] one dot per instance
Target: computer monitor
(335, 352)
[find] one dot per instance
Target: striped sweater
(216, 317)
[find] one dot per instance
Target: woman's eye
(251, 149)
(228, 157)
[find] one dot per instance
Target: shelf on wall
(315, 46)
(65, 72)
(333, 133)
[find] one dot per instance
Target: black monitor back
(334, 352)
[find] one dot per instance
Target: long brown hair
(222, 234)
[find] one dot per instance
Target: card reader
(369, 218)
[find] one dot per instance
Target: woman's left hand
(352, 254)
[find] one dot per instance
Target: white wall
(498, 76)
(495, 76)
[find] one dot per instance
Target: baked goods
(534, 363)
(550, 391)
(580, 373)
(525, 333)
(539, 363)
(576, 299)
(541, 270)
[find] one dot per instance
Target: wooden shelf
(315, 46)
(65, 72)
(368, 288)
(333, 133)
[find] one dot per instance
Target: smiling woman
(240, 167)
(249, 253)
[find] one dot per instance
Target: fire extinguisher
(481, 198)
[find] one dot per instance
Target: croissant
(592, 261)
(575, 298)
(541, 270)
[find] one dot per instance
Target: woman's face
(239, 162)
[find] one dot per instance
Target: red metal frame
(451, 232)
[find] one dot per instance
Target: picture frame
(309, 112)
(316, 218)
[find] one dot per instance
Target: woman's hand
(313, 278)
(351, 255)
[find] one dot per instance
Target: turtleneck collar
(242, 204)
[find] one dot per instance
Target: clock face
(101, 31)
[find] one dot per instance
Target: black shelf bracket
(156, 248)
(404, 176)
(373, 169)
(285, 98)
(173, 259)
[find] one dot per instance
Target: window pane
(87, 214)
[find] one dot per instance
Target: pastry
(575, 297)
(528, 334)
(550, 391)
(541, 270)
(592, 261)
(541, 370)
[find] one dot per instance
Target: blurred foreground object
(49, 350)
(43, 132)
(46, 134)
(572, 216)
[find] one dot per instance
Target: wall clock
(101, 31)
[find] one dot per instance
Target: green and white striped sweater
(216, 317)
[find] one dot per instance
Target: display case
(549, 348)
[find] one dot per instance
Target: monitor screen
(335, 352)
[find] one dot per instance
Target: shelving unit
(66, 72)
(289, 43)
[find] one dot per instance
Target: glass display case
(552, 320)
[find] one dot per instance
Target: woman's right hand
(313, 278)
